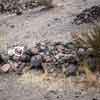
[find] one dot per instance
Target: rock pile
(88, 15)
(10, 6)
(18, 6)
(47, 56)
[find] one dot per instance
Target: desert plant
(90, 78)
(91, 39)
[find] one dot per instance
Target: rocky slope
(35, 25)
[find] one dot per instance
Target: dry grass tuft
(90, 80)
(91, 39)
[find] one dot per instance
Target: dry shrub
(90, 79)
(91, 39)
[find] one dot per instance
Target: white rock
(11, 52)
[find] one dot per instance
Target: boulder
(19, 70)
(5, 68)
(35, 50)
(71, 69)
(36, 61)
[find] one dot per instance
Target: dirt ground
(35, 25)
(30, 86)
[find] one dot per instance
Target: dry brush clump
(90, 41)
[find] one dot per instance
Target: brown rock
(60, 48)
(35, 50)
(48, 59)
(19, 70)
(14, 66)
(48, 67)
(5, 68)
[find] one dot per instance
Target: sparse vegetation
(91, 40)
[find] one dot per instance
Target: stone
(60, 48)
(5, 68)
(69, 45)
(48, 67)
(16, 58)
(19, 70)
(52, 56)
(11, 52)
(94, 99)
(25, 58)
(59, 55)
(57, 19)
(12, 26)
(14, 65)
(71, 69)
(2, 8)
(35, 50)
(44, 49)
(18, 50)
(72, 59)
(91, 61)
(89, 51)
(28, 52)
(2, 60)
(47, 58)
(36, 61)
(81, 52)
(18, 12)
(15, 53)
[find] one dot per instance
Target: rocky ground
(37, 25)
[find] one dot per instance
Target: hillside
(37, 25)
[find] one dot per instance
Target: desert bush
(91, 39)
